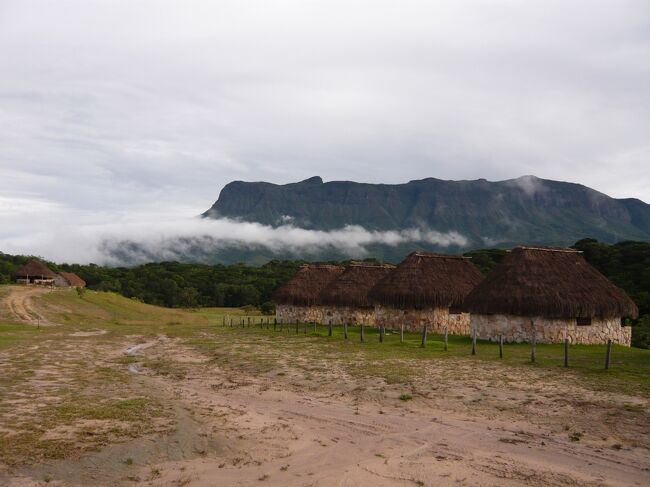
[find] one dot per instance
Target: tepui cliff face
(485, 213)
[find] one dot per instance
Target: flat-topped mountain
(486, 213)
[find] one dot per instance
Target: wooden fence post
(608, 357)
(345, 330)
(249, 321)
(275, 324)
(566, 352)
(381, 334)
(329, 330)
(230, 322)
(446, 338)
(501, 346)
(361, 335)
(533, 349)
(474, 341)
(424, 336)
(401, 334)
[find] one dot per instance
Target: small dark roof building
(35, 270)
(72, 279)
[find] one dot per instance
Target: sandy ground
(307, 421)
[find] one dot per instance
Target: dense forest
(172, 284)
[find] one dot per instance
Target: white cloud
(148, 237)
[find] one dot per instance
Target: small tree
(268, 308)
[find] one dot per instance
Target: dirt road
(19, 306)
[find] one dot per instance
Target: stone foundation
(436, 319)
(550, 330)
(324, 314)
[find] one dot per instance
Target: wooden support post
(345, 330)
(361, 335)
(381, 334)
(533, 348)
(566, 352)
(474, 341)
(315, 324)
(230, 322)
(424, 336)
(501, 346)
(249, 321)
(329, 331)
(446, 338)
(401, 334)
(608, 357)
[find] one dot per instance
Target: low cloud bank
(207, 240)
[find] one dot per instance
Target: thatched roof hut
(73, 279)
(305, 287)
(352, 286)
(549, 282)
(35, 270)
(426, 279)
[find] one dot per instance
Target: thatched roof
(35, 268)
(425, 279)
(305, 287)
(73, 279)
(352, 286)
(550, 282)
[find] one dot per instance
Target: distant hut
(35, 272)
(346, 300)
(426, 288)
(298, 300)
(70, 279)
(554, 292)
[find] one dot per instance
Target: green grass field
(629, 370)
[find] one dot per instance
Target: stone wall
(550, 330)
(437, 319)
(324, 314)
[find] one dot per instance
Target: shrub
(268, 308)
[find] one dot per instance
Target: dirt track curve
(20, 307)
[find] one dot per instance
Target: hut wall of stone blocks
(437, 320)
(337, 315)
(550, 330)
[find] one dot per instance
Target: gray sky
(116, 112)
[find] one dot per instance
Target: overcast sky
(114, 111)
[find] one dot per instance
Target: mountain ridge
(527, 209)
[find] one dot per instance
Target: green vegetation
(176, 285)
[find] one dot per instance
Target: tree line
(172, 284)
